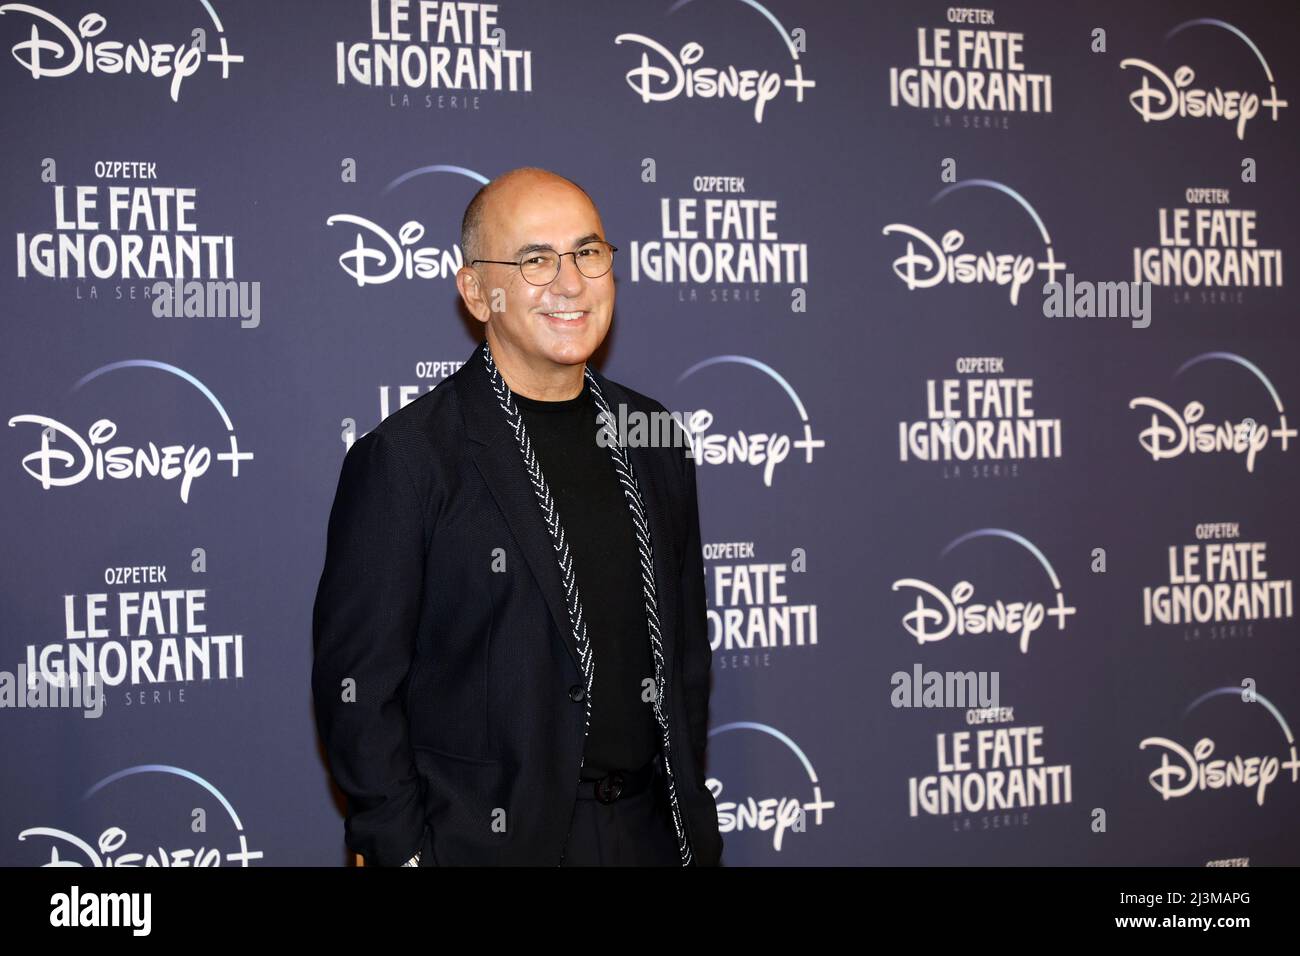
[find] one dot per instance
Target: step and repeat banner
(979, 317)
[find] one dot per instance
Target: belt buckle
(609, 787)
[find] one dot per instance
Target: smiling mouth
(565, 316)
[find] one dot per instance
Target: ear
(472, 292)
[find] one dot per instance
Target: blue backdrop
(835, 224)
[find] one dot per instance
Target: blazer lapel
(502, 467)
(646, 464)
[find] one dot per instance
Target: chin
(571, 354)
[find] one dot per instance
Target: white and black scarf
(632, 493)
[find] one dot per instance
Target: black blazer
(444, 689)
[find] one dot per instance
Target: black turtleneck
(602, 544)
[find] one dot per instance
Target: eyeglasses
(541, 266)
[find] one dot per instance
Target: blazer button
(577, 692)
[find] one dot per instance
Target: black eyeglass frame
(559, 262)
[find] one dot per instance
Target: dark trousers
(634, 830)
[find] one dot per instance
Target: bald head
(481, 215)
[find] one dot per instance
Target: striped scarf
(632, 493)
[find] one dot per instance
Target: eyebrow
(537, 246)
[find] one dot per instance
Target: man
(511, 646)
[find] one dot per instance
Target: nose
(569, 278)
